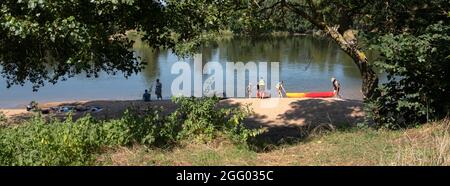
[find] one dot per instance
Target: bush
(39, 142)
(418, 70)
(42, 142)
(202, 121)
(2, 118)
(150, 128)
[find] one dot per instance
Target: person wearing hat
(336, 87)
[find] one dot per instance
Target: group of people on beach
(260, 88)
(158, 91)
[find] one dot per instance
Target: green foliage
(400, 16)
(42, 142)
(53, 40)
(200, 118)
(39, 142)
(418, 70)
(234, 126)
(202, 121)
(50, 41)
(151, 128)
(257, 18)
(3, 118)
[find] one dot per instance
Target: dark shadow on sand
(111, 109)
(317, 116)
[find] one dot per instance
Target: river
(306, 64)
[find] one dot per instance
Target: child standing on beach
(249, 90)
(257, 91)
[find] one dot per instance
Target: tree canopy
(52, 40)
(46, 41)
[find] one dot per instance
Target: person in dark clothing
(258, 93)
(158, 90)
(146, 96)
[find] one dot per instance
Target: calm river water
(306, 64)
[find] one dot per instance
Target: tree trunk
(369, 77)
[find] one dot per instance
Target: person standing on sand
(262, 86)
(158, 90)
(280, 89)
(249, 90)
(257, 91)
(336, 87)
(146, 96)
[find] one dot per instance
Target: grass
(424, 145)
(223, 153)
(427, 144)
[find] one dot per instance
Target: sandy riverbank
(267, 112)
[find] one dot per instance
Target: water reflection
(306, 64)
(150, 57)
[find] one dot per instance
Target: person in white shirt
(262, 87)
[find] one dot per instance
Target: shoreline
(267, 112)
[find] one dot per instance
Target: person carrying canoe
(336, 87)
(280, 89)
(262, 86)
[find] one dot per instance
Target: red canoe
(310, 95)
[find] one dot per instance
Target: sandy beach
(267, 112)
